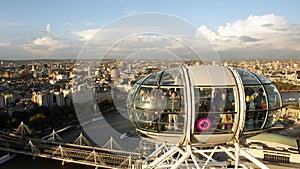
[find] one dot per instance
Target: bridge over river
(68, 152)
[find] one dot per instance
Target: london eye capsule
(202, 105)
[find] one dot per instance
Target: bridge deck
(86, 155)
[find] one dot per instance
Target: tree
(21, 116)
(55, 117)
(286, 86)
(37, 110)
(4, 122)
(39, 121)
(106, 104)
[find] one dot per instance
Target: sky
(237, 29)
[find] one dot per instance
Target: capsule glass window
(256, 107)
(248, 77)
(144, 107)
(272, 117)
(172, 77)
(273, 96)
(170, 108)
(215, 109)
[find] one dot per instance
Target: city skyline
(237, 30)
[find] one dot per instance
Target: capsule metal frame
(161, 121)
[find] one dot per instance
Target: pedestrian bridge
(67, 152)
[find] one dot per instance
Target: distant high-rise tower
(276, 65)
(89, 72)
(292, 62)
(115, 74)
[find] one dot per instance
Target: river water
(27, 162)
(290, 95)
(24, 161)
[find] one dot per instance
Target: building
(83, 97)
(274, 147)
(9, 99)
(2, 103)
(103, 95)
(58, 99)
(43, 99)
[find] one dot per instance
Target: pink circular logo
(204, 124)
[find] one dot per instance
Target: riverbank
(289, 91)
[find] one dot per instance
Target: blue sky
(50, 29)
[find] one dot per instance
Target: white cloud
(48, 44)
(258, 36)
(3, 44)
(269, 31)
(46, 47)
(48, 28)
(45, 41)
(86, 34)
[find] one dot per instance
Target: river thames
(290, 96)
(23, 161)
